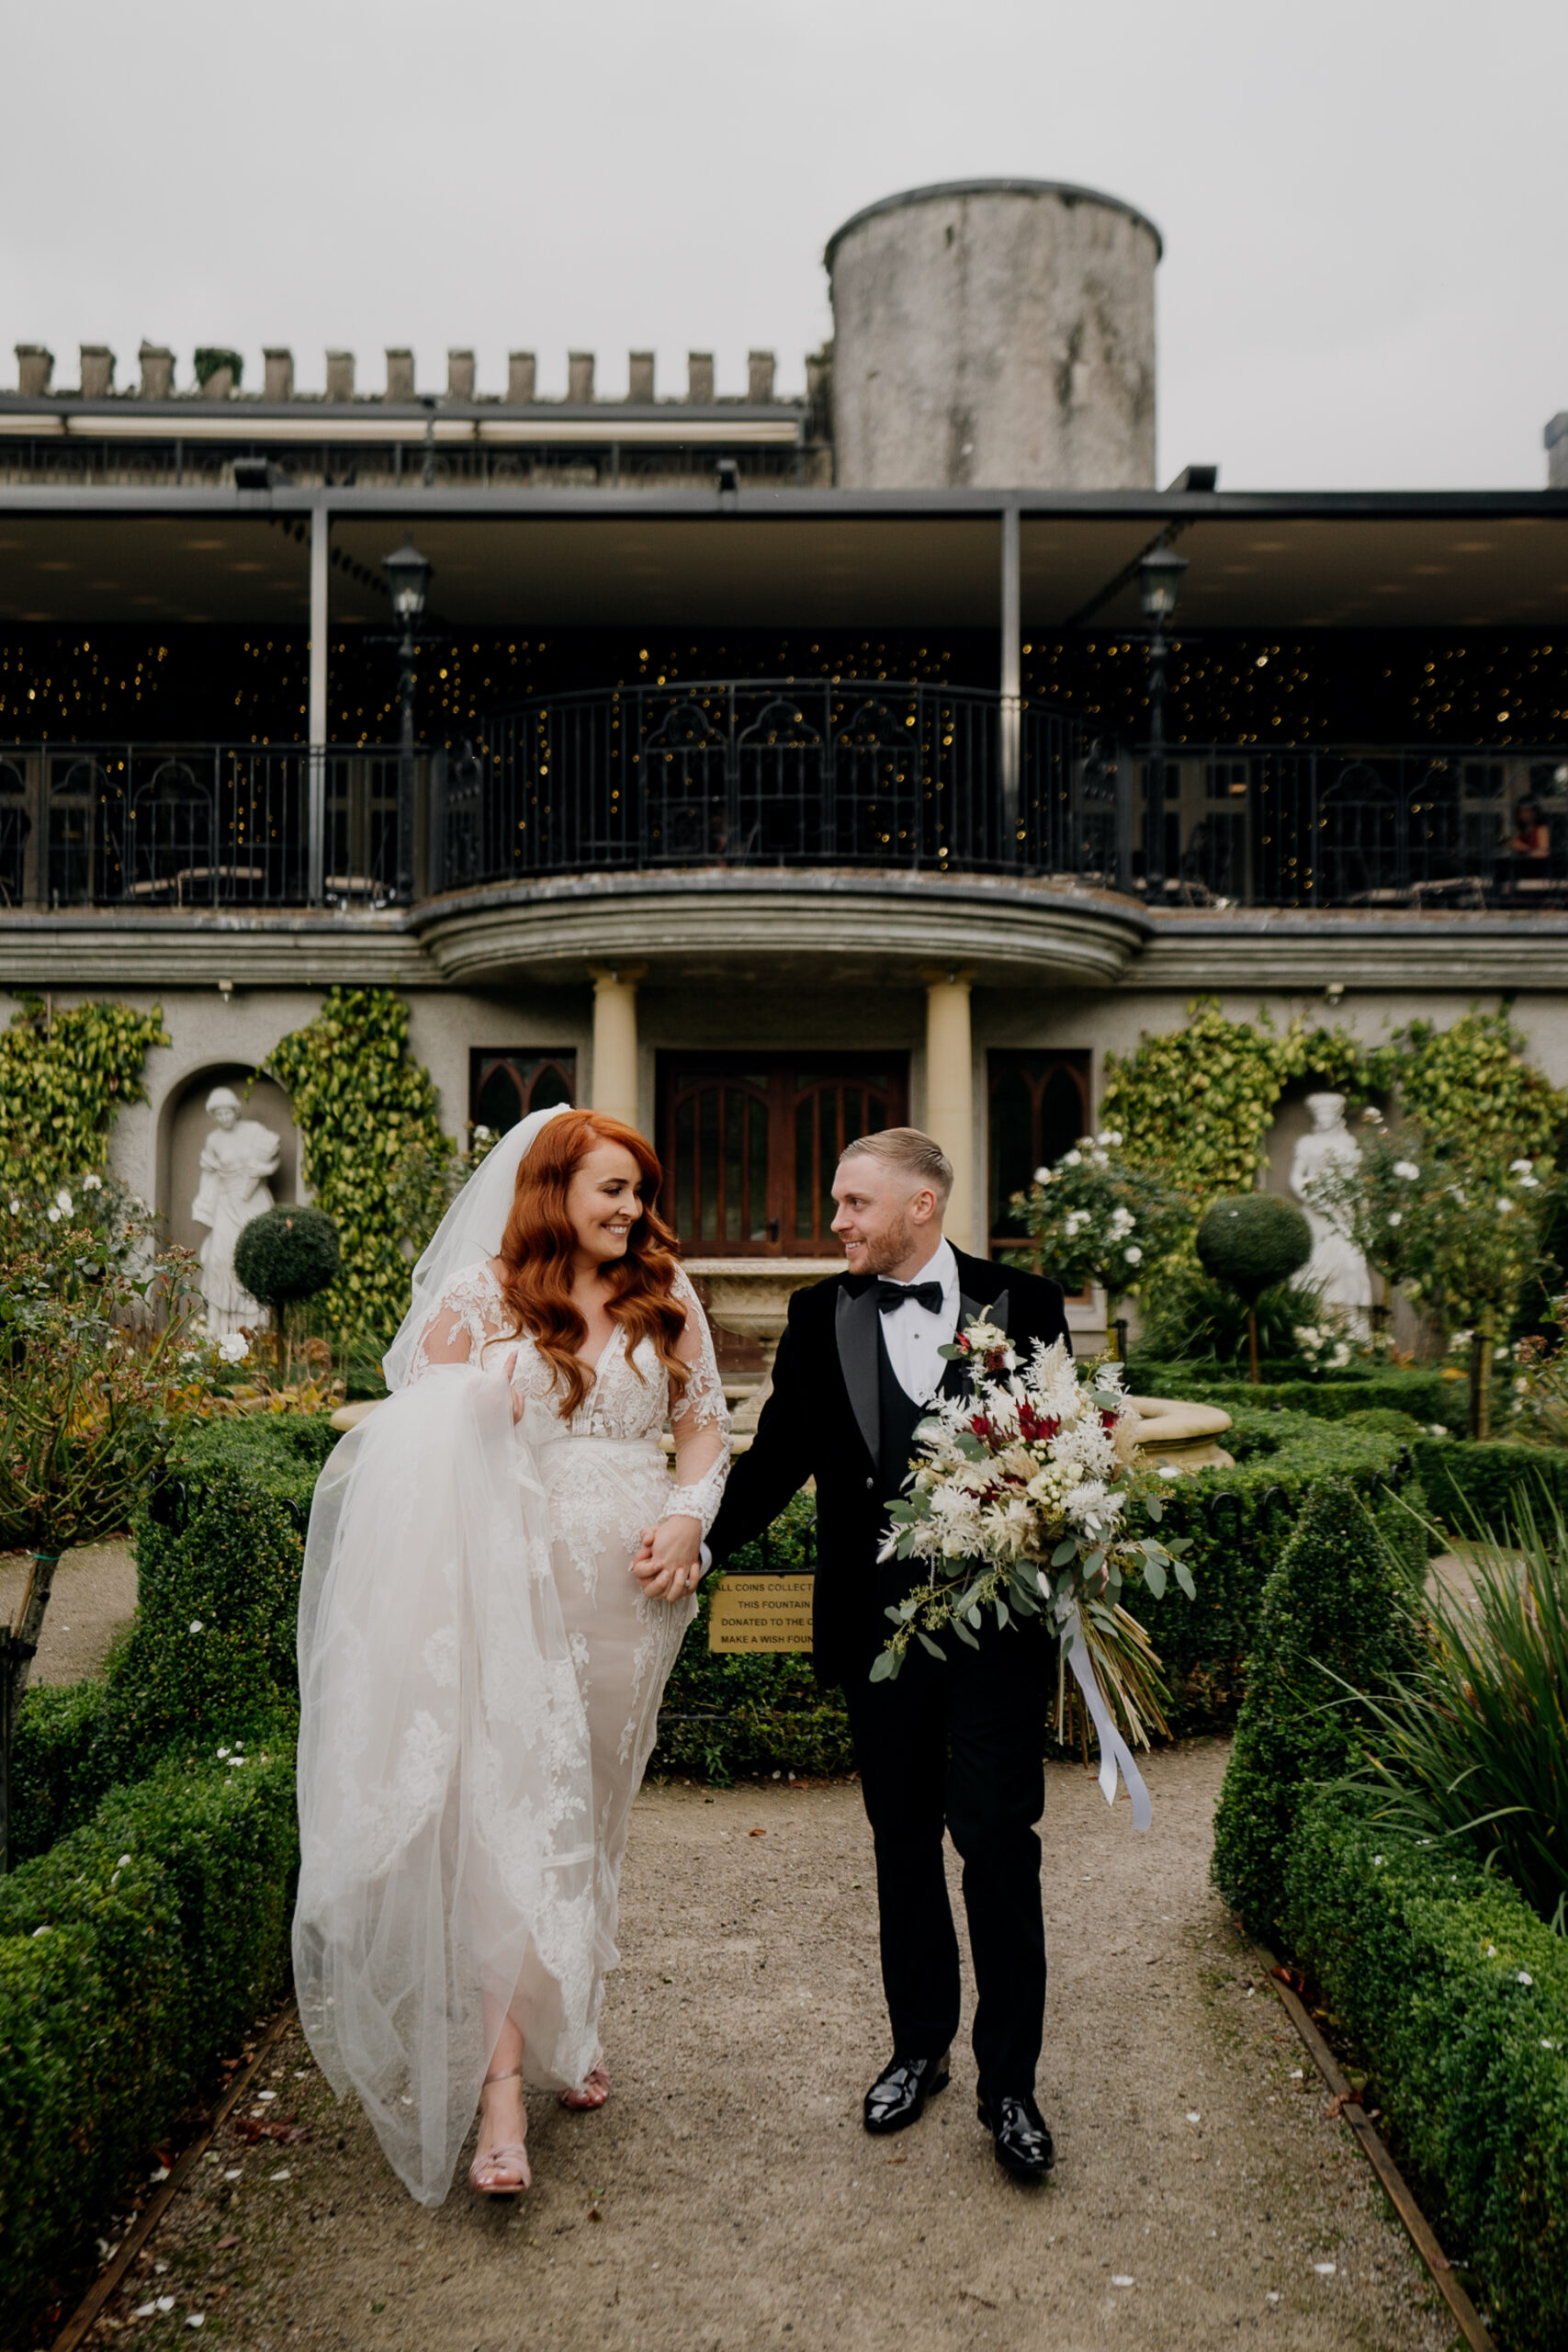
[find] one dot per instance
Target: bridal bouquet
(1019, 1502)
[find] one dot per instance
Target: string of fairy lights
(217, 684)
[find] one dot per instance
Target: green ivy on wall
(361, 1105)
(63, 1078)
(1473, 1082)
(1198, 1102)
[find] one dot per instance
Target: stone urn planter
(750, 1296)
(1176, 1436)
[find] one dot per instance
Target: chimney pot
(520, 371)
(98, 371)
(699, 379)
(35, 366)
(278, 381)
(340, 375)
(639, 376)
(760, 378)
(579, 375)
(400, 374)
(459, 375)
(157, 365)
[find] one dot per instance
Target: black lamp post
(408, 583)
(1159, 585)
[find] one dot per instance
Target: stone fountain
(750, 1296)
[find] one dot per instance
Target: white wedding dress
(479, 1684)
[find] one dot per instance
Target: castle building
(779, 764)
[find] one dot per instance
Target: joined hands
(668, 1561)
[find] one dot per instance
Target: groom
(955, 1744)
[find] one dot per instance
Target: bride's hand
(668, 1564)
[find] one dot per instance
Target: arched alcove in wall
(185, 1126)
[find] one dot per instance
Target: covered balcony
(857, 775)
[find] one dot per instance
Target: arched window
(1040, 1107)
(505, 1082)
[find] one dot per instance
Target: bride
(479, 1670)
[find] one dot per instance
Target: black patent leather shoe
(898, 2095)
(1024, 2146)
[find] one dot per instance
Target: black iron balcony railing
(873, 775)
(768, 773)
(1363, 826)
(188, 825)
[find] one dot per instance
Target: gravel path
(93, 1596)
(727, 2197)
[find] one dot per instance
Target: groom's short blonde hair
(911, 1150)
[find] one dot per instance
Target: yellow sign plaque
(760, 1614)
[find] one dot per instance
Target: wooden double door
(751, 1143)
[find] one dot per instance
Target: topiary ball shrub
(1254, 1242)
(1251, 1243)
(287, 1254)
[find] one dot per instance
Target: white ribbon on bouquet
(1113, 1749)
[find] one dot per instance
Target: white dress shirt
(913, 1335)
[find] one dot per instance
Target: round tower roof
(1065, 190)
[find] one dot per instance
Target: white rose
(1042, 1175)
(1504, 1206)
(1072, 1159)
(91, 1183)
(1396, 1216)
(1134, 1255)
(1519, 1167)
(16, 1209)
(54, 1216)
(234, 1347)
(63, 1201)
(1407, 1168)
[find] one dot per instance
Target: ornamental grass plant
(1470, 1747)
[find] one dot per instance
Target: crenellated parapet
(156, 382)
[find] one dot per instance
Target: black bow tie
(890, 1296)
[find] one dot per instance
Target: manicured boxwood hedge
(124, 1981)
(132, 1956)
(1422, 1392)
(1468, 1485)
(1239, 1520)
(1457, 1996)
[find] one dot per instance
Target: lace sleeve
(457, 1329)
(699, 1420)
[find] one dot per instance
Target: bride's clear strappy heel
(511, 2157)
(590, 2092)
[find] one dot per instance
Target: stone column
(614, 1089)
(950, 1092)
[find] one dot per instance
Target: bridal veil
(445, 1805)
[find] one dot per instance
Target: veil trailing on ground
(445, 1799)
(470, 1230)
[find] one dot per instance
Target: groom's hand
(668, 1563)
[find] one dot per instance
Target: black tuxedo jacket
(822, 1421)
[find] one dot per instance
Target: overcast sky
(1366, 271)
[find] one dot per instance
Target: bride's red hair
(539, 1244)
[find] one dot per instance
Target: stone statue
(1337, 1267)
(237, 1159)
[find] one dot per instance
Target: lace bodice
(629, 1395)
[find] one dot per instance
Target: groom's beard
(888, 1250)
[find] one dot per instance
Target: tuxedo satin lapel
(854, 1328)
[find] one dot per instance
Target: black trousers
(960, 1746)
